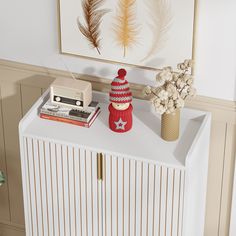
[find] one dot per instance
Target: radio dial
(58, 99)
(78, 103)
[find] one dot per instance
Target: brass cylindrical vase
(170, 125)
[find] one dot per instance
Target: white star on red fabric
(120, 124)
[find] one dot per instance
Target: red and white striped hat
(120, 92)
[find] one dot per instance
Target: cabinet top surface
(142, 142)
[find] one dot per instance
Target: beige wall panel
(228, 176)
(4, 200)
(37, 81)
(13, 75)
(43, 90)
(29, 77)
(9, 230)
(25, 77)
(215, 169)
(222, 111)
(12, 113)
(29, 95)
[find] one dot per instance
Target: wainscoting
(21, 85)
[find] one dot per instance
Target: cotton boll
(182, 84)
(168, 111)
(175, 95)
(147, 90)
(178, 82)
(171, 89)
(172, 109)
(165, 74)
(190, 63)
(161, 109)
(186, 77)
(187, 62)
(157, 89)
(157, 102)
(181, 66)
(170, 103)
(190, 81)
(163, 95)
(160, 80)
(192, 91)
(179, 103)
(175, 77)
(185, 89)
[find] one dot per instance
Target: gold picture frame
(131, 65)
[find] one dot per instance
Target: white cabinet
(142, 198)
(93, 182)
(62, 194)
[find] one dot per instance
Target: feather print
(126, 29)
(161, 17)
(93, 18)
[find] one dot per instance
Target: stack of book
(65, 114)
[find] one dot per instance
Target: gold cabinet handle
(99, 166)
(2, 178)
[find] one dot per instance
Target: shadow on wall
(134, 74)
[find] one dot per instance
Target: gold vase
(170, 125)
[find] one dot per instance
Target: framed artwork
(144, 33)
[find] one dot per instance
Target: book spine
(65, 120)
(94, 117)
(51, 113)
(90, 109)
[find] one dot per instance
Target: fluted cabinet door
(63, 195)
(141, 198)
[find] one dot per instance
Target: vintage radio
(71, 92)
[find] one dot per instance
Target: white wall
(216, 49)
(28, 34)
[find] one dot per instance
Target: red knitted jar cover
(120, 121)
